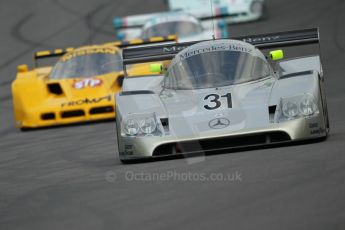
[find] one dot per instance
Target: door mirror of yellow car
(156, 68)
(277, 55)
(23, 68)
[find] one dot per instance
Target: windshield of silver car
(215, 69)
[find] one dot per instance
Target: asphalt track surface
(71, 177)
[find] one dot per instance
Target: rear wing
(261, 41)
(121, 44)
(283, 39)
(50, 54)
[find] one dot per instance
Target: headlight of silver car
(131, 127)
(141, 125)
(290, 109)
(308, 107)
(295, 107)
(148, 125)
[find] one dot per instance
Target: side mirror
(156, 68)
(23, 68)
(277, 55)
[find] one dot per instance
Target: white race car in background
(233, 11)
(185, 26)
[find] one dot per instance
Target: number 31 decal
(214, 101)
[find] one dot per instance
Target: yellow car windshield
(88, 65)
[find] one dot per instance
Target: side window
(170, 80)
(260, 69)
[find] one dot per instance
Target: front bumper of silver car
(131, 148)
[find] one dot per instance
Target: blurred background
(71, 178)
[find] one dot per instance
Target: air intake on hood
(55, 88)
(272, 109)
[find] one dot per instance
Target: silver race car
(221, 94)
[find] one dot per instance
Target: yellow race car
(80, 87)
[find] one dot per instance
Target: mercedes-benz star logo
(219, 123)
